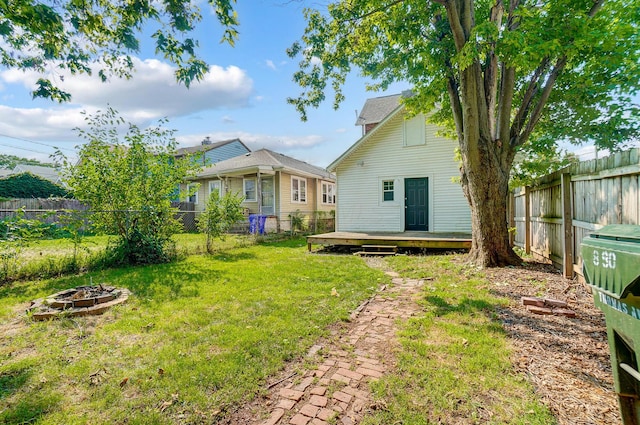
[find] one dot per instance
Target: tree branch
(597, 5)
(453, 15)
(525, 106)
(456, 107)
(507, 84)
(491, 69)
(542, 101)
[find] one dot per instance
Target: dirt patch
(565, 359)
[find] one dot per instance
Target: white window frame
(383, 191)
(301, 191)
(255, 189)
(328, 191)
(213, 184)
(195, 195)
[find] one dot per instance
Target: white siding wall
(384, 157)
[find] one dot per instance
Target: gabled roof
(48, 173)
(206, 147)
(266, 161)
(378, 108)
(332, 167)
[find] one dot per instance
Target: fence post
(512, 217)
(567, 226)
(527, 219)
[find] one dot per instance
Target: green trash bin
(611, 266)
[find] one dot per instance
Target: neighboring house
(399, 176)
(47, 173)
(208, 152)
(272, 184)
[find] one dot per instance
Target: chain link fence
(56, 215)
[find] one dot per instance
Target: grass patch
(46, 258)
(198, 337)
(454, 361)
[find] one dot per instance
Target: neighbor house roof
(206, 147)
(378, 108)
(264, 161)
(47, 173)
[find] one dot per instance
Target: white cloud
(151, 94)
(41, 124)
(270, 64)
(257, 141)
(153, 91)
(228, 120)
(341, 130)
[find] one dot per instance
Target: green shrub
(221, 213)
(26, 185)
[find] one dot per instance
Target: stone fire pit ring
(78, 301)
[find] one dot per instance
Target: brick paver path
(336, 391)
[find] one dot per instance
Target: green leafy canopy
(73, 35)
(412, 41)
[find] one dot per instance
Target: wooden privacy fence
(552, 216)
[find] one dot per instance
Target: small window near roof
(387, 190)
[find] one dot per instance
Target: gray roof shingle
(376, 109)
(205, 148)
(264, 158)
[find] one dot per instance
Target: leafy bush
(221, 213)
(297, 221)
(26, 185)
(129, 184)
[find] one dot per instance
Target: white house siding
(383, 157)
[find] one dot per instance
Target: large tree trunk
(486, 187)
(486, 165)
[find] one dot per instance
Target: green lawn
(197, 337)
(454, 361)
(55, 257)
(202, 335)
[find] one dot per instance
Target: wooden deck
(402, 239)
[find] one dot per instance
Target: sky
(243, 95)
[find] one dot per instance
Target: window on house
(387, 190)
(192, 193)
(328, 193)
(414, 131)
(215, 186)
(249, 190)
(298, 190)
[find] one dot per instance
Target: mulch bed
(566, 359)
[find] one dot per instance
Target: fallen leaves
(168, 403)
